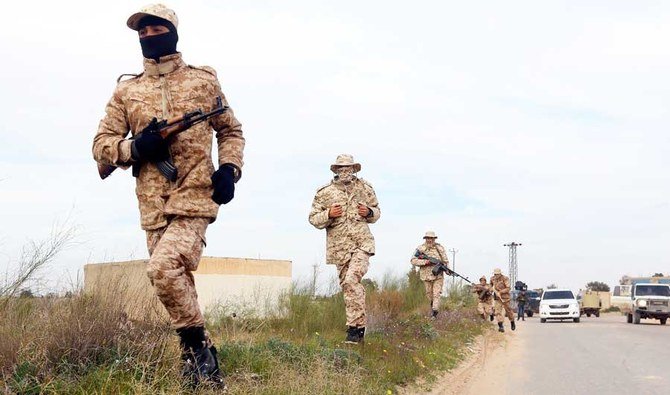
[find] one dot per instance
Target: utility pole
(315, 274)
(453, 264)
(513, 266)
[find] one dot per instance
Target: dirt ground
(487, 365)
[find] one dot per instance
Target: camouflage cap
(430, 235)
(157, 10)
(345, 160)
(497, 271)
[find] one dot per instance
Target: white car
(559, 304)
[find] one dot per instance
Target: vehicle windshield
(652, 290)
(558, 295)
(532, 294)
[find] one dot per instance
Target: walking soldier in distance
(431, 281)
(175, 210)
(502, 296)
(345, 207)
(484, 298)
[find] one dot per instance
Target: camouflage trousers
(434, 291)
(485, 308)
(351, 274)
(175, 252)
(499, 306)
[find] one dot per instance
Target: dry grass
(87, 344)
(49, 343)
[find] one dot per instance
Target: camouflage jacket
(425, 267)
(484, 292)
(167, 89)
(501, 287)
(349, 232)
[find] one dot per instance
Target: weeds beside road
(86, 344)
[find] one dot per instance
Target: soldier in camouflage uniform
(432, 282)
(484, 298)
(174, 214)
(345, 207)
(501, 288)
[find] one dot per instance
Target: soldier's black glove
(223, 181)
(150, 146)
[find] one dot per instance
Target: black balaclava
(154, 47)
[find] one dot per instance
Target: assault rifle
(168, 128)
(439, 266)
(485, 294)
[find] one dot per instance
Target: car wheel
(576, 319)
(529, 314)
(636, 318)
(664, 320)
(597, 314)
(629, 318)
(543, 320)
(588, 315)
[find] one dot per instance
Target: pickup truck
(649, 301)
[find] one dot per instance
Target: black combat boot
(353, 335)
(500, 327)
(491, 317)
(513, 325)
(483, 316)
(361, 334)
(200, 358)
(434, 314)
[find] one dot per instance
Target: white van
(558, 304)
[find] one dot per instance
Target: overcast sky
(538, 122)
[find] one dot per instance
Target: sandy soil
(488, 365)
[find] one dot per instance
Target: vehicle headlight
(642, 303)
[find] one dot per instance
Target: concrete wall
(224, 285)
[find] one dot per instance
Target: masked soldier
(174, 212)
(501, 288)
(345, 207)
(484, 298)
(432, 282)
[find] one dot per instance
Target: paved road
(602, 355)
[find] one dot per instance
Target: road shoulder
(488, 364)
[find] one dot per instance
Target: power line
(513, 266)
(453, 264)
